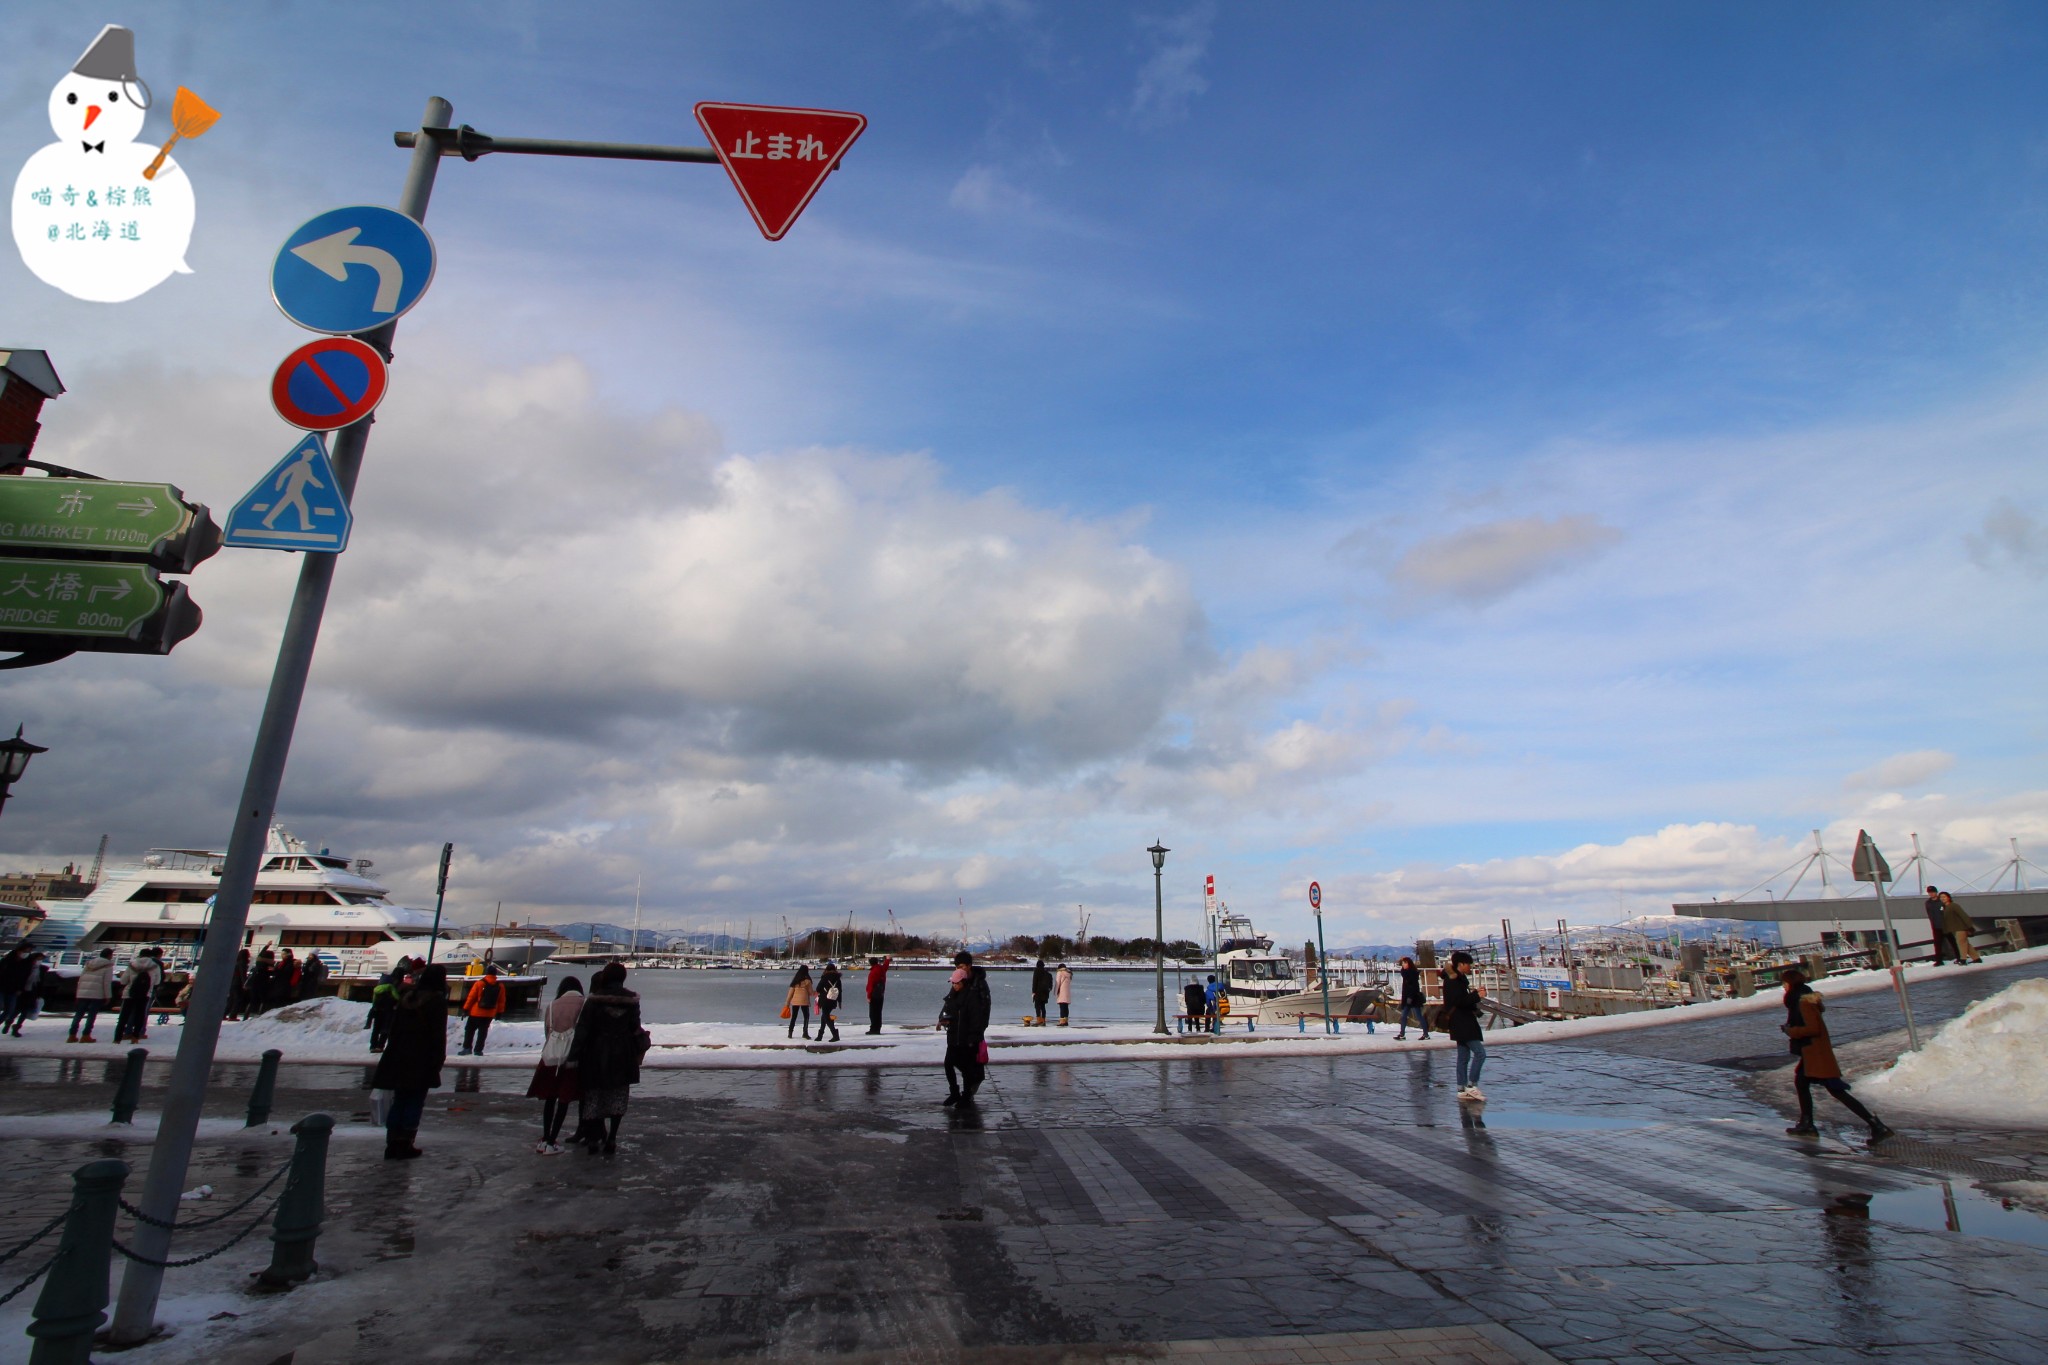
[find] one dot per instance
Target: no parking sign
(327, 384)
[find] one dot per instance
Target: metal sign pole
(440, 895)
(1898, 968)
(1323, 972)
(135, 1314)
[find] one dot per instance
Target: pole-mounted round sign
(1315, 895)
(324, 385)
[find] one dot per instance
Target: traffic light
(80, 560)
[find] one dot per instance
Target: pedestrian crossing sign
(296, 506)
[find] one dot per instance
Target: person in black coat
(606, 1053)
(411, 1062)
(257, 987)
(965, 1019)
(829, 990)
(238, 987)
(1461, 1003)
(1041, 991)
(1413, 1002)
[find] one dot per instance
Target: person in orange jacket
(1808, 1030)
(485, 1002)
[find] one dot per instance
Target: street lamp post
(14, 756)
(1158, 852)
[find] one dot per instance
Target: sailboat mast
(636, 916)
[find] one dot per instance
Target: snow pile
(1988, 1063)
(328, 1019)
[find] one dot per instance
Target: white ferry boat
(310, 901)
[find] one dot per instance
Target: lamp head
(1158, 852)
(15, 754)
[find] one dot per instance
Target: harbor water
(749, 996)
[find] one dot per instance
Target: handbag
(644, 1041)
(785, 1009)
(555, 1050)
(380, 1106)
(981, 1052)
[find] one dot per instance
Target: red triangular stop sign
(778, 157)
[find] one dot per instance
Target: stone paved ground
(1630, 1199)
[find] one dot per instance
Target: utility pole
(135, 1313)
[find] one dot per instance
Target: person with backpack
(411, 1064)
(1461, 1008)
(964, 1017)
(555, 1082)
(1215, 1001)
(1413, 1002)
(383, 1001)
(1807, 1028)
(606, 1053)
(89, 997)
(828, 999)
(485, 1002)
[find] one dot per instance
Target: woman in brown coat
(1808, 1030)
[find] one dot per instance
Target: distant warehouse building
(1846, 922)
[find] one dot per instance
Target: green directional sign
(75, 597)
(95, 516)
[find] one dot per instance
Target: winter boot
(1879, 1131)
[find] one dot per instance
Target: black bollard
(73, 1303)
(130, 1092)
(266, 1089)
(302, 1207)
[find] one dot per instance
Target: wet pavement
(1632, 1198)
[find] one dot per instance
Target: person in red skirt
(555, 1084)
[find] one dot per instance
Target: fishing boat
(1262, 983)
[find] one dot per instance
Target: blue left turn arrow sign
(352, 270)
(297, 506)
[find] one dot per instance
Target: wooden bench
(1200, 1023)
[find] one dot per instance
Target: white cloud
(1645, 874)
(1901, 771)
(1485, 563)
(984, 192)
(1171, 76)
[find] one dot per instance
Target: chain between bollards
(264, 1094)
(74, 1299)
(130, 1092)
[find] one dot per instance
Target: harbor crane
(99, 860)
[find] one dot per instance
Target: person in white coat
(95, 984)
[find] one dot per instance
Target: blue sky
(1498, 460)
